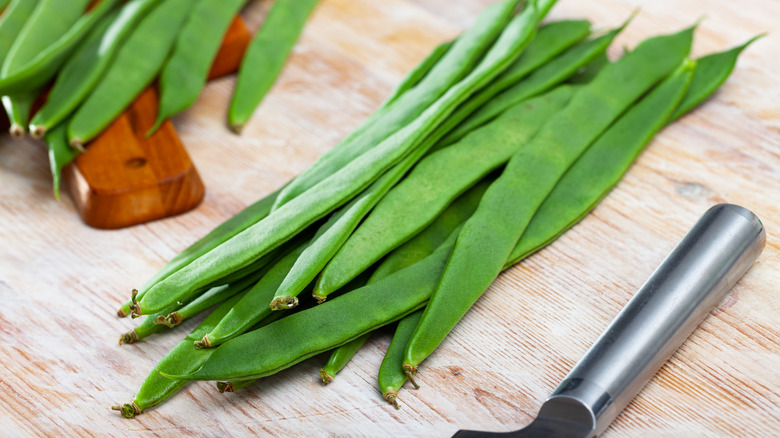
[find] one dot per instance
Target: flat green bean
(553, 39)
(137, 63)
(265, 57)
(268, 350)
(711, 71)
(602, 165)
(554, 72)
(426, 241)
(3, 4)
(391, 377)
(182, 359)
(12, 22)
(81, 72)
(241, 221)
(334, 191)
(421, 196)
(254, 306)
(48, 22)
(18, 107)
(60, 155)
(486, 240)
(340, 357)
(456, 64)
(187, 70)
(39, 70)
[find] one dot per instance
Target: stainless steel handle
(689, 283)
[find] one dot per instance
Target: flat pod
(266, 56)
(488, 237)
(456, 63)
(137, 63)
(337, 189)
(81, 72)
(421, 196)
(267, 350)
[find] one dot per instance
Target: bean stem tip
(326, 378)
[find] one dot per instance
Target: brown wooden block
(125, 178)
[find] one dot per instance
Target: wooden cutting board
(60, 281)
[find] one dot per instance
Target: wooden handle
(125, 178)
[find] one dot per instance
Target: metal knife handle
(692, 280)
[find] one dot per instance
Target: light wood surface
(60, 281)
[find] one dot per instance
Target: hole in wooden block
(135, 163)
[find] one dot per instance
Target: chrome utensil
(681, 292)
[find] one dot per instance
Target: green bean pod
(418, 73)
(12, 22)
(556, 38)
(711, 71)
(421, 196)
(486, 240)
(180, 313)
(265, 57)
(590, 70)
(603, 164)
(44, 65)
(241, 221)
(81, 72)
(340, 357)
(426, 241)
(554, 72)
(267, 350)
(186, 72)
(48, 22)
(332, 235)
(254, 306)
(182, 359)
(18, 107)
(60, 155)
(3, 4)
(456, 63)
(334, 191)
(137, 63)
(391, 377)
(341, 225)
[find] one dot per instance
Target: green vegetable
(60, 154)
(137, 63)
(253, 307)
(602, 165)
(49, 19)
(421, 196)
(268, 350)
(266, 56)
(391, 376)
(186, 72)
(486, 240)
(454, 65)
(340, 356)
(81, 72)
(337, 189)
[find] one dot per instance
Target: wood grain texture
(60, 282)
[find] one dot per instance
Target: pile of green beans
(492, 147)
(92, 59)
